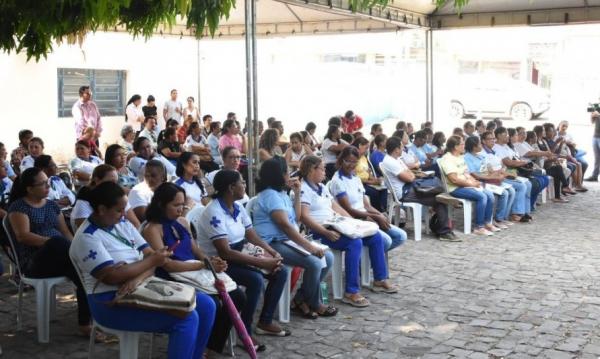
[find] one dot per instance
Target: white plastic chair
(285, 299)
(467, 205)
(337, 276)
(45, 291)
(193, 217)
(128, 340)
(418, 210)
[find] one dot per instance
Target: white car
(520, 100)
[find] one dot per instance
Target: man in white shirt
(401, 179)
(86, 114)
(173, 108)
(150, 131)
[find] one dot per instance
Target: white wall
(29, 89)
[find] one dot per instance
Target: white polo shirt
(504, 151)
(94, 248)
(26, 162)
(137, 165)
(190, 141)
(84, 166)
(216, 222)
(392, 168)
(351, 187)
(140, 195)
(319, 201)
(329, 156)
(58, 190)
(492, 160)
(83, 209)
(192, 190)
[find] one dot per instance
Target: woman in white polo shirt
(107, 253)
(317, 206)
(350, 193)
(188, 177)
(224, 230)
(83, 165)
(331, 147)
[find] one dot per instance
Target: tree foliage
(32, 26)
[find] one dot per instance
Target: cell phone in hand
(174, 246)
(295, 174)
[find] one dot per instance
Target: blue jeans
(253, 280)
(314, 274)
(538, 184)
(521, 203)
(484, 203)
(187, 336)
(352, 250)
(394, 237)
(596, 146)
(503, 204)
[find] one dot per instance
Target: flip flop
(379, 289)
(329, 312)
(360, 302)
(281, 333)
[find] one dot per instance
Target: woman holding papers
(462, 185)
(275, 219)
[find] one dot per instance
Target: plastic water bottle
(324, 293)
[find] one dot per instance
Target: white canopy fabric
(488, 13)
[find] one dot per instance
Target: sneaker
(492, 228)
(482, 232)
(449, 237)
(591, 179)
(500, 225)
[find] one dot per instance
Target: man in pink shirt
(86, 113)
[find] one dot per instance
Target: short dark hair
(349, 114)
(471, 142)
(468, 124)
(392, 143)
(109, 155)
(374, 127)
(206, 117)
(82, 89)
(38, 140)
(347, 152)
(214, 125)
(82, 143)
(310, 126)
(24, 133)
(42, 161)
(452, 142)
(147, 118)
(150, 98)
(272, 174)
(379, 139)
(401, 125)
(334, 121)
(165, 193)
(500, 130)
(223, 179)
(138, 143)
(297, 135)
(420, 134)
(227, 150)
(105, 194)
(360, 141)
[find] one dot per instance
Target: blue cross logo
(91, 255)
(214, 222)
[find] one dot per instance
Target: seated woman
(116, 157)
(350, 193)
(560, 148)
(169, 147)
(546, 160)
(436, 147)
(126, 141)
(165, 227)
(197, 143)
(331, 148)
(82, 208)
(36, 148)
(171, 123)
(317, 207)
(43, 236)
(231, 161)
(189, 175)
(144, 153)
(409, 159)
(267, 146)
(107, 253)
(224, 230)
(150, 131)
(83, 164)
(58, 191)
(478, 168)
(276, 220)
(296, 151)
(462, 185)
(213, 142)
(373, 185)
(141, 194)
(230, 136)
(578, 153)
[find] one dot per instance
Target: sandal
(281, 333)
(383, 288)
(257, 346)
(358, 301)
(328, 312)
(305, 312)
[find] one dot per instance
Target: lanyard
(119, 238)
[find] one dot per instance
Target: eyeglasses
(45, 184)
(237, 158)
(348, 162)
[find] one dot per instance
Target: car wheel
(457, 110)
(521, 111)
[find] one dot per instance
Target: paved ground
(531, 292)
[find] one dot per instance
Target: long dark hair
(346, 152)
(181, 161)
(330, 131)
(26, 179)
(223, 179)
(272, 174)
(132, 100)
(268, 139)
(226, 125)
(165, 193)
(111, 151)
(193, 126)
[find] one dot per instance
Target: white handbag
(203, 280)
(351, 227)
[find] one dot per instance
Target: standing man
(596, 145)
(173, 108)
(86, 114)
(351, 122)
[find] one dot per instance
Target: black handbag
(428, 186)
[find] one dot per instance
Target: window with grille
(107, 86)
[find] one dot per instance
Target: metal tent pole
(249, 91)
(429, 74)
(198, 69)
(255, 88)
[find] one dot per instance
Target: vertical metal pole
(199, 99)
(255, 87)
(249, 102)
(428, 76)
